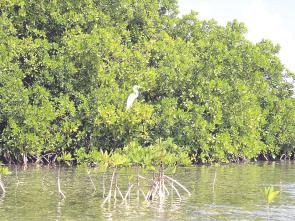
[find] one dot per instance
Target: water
(237, 195)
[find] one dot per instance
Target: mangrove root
(158, 189)
(61, 194)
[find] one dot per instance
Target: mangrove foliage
(67, 67)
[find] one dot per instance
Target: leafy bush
(67, 67)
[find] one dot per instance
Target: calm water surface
(31, 194)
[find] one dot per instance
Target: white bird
(132, 97)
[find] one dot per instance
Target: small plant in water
(270, 194)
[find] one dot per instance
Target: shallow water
(31, 194)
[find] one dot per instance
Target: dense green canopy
(67, 67)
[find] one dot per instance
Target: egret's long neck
(136, 92)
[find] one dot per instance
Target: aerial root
(128, 192)
(179, 184)
(165, 189)
(109, 196)
(119, 191)
(142, 192)
(157, 191)
(175, 189)
(93, 185)
(61, 194)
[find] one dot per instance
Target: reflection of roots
(158, 190)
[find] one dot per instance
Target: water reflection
(2, 196)
(218, 193)
(59, 206)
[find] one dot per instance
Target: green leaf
(270, 194)
(4, 170)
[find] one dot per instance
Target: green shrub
(67, 67)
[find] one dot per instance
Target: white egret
(132, 97)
